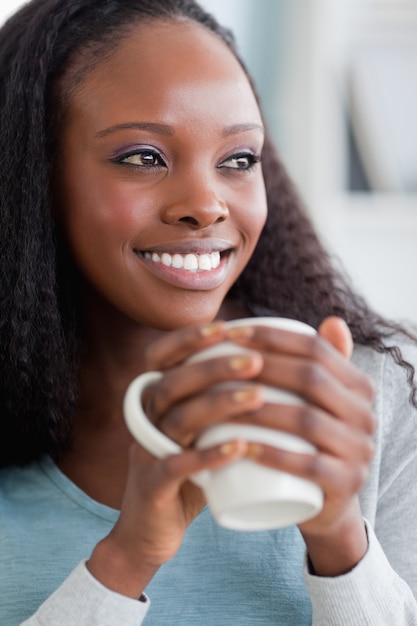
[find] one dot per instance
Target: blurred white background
(7, 7)
(337, 79)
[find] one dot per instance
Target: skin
(200, 190)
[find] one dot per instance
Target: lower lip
(202, 280)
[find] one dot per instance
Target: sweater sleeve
(382, 589)
(82, 600)
(372, 594)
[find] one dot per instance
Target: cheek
(255, 215)
(106, 214)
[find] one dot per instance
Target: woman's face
(161, 194)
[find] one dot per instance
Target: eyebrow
(165, 129)
(159, 129)
(242, 128)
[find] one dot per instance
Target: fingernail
(212, 329)
(246, 395)
(240, 363)
(242, 332)
(254, 450)
(227, 448)
(233, 447)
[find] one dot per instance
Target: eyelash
(121, 159)
(252, 160)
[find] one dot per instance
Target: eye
(243, 161)
(144, 158)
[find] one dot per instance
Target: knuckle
(368, 419)
(368, 387)
(368, 449)
(175, 425)
(205, 373)
(312, 376)
(314, 466)
(206, 369)
(307, 421)
(163, 392)
(315, 347)
(159, 399)
(358, 478)
(211, 367)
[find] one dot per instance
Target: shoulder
(390, 376)
(15, 481)
(395, 412)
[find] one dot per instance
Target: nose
(197, 205)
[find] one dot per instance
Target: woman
(143, 205)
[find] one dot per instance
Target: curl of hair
(45, 50)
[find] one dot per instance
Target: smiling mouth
(191, 262)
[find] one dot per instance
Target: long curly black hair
(45, 50)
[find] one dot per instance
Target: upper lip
(200, 246)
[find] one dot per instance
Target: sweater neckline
(74, 493)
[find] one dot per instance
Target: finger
(313, 348)
(317, 385)
(315, 426)
(213, 407)
(334, 476)
(176, 469)
(336, 332)
(175, 347)
(188, 380)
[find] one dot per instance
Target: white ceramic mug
(243, 495)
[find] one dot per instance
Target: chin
(186, 315)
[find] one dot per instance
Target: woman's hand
(337, 419)
(159, 501)
(158, 505)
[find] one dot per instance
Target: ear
(336, 331)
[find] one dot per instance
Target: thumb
(336, 332)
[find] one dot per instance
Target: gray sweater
(380, 590)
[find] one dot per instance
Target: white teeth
(189, 262)
(177, 261)
(166, 259)
(215, 259)
(204, 262)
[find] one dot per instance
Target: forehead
(171, 68)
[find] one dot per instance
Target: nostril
(189, 220)
(195, 216)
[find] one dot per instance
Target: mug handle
(138, 422)
(144, 431)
